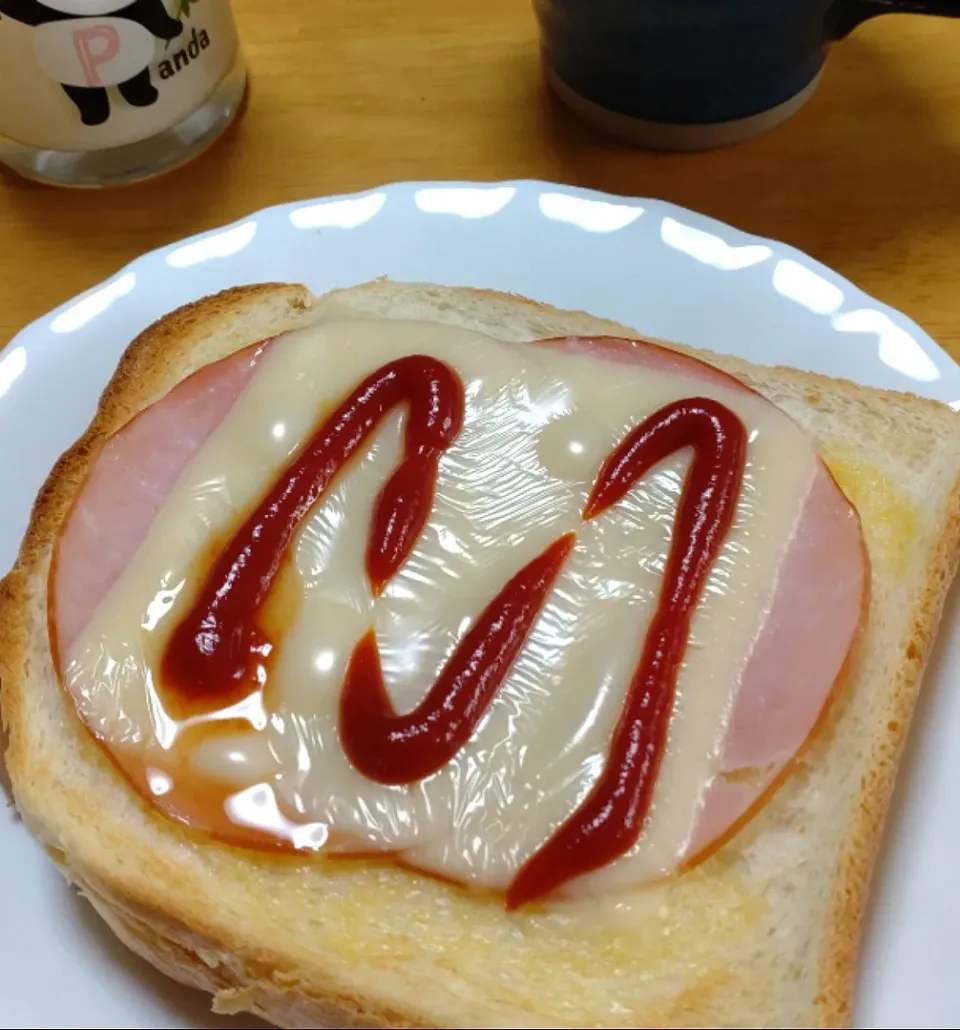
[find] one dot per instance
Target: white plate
(664, 270)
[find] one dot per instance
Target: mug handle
(845, 15)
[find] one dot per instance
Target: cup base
(641, 132)
(135, 162)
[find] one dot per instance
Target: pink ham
(132, 476)
(813, 620)
(814, 617)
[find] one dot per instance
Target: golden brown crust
(839, 955)
(181, 953)
(178, 936)
(149, 367)
(812, 382)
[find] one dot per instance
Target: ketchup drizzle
(401, 749)
(218, 646)
(609, 822)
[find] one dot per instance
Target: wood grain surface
(347, 95)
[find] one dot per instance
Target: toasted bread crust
(851, 888)
(150, 366)
(176, 934)
(197, 961)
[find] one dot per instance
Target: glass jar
(104, 92)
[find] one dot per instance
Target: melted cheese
(538, 425)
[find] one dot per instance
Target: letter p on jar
(96, 46)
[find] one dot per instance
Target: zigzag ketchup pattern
(218, 644)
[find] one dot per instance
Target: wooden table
(348, 95)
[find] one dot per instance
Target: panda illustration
(88, 45)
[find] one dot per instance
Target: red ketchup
(219, 647)
(609, 822)
(402, 749)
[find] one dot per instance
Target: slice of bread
(764, 933)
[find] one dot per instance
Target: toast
(764, 933)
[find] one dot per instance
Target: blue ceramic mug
(694, 74)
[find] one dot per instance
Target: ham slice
(813, 621)
(133, 475)
(789, 677)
